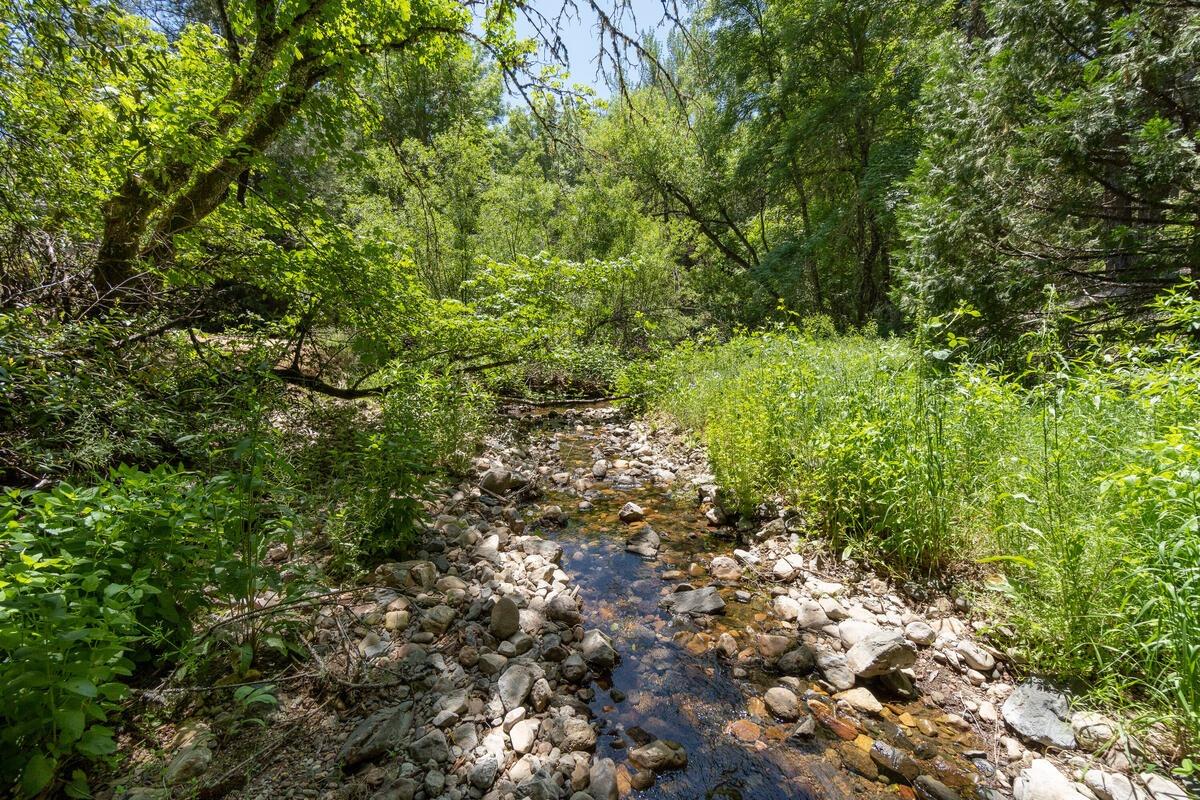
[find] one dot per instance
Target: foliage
(94, 579)
(373, 471)
(1059, 148)
(1078, 479)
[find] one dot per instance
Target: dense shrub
(1080, 480)
(92, 581)
(368, 464)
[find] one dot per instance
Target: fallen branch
(574, 401)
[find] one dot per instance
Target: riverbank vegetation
(926, 272)
(1072, 482)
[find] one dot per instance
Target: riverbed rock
(1042, 781)
(1113, 786)
(554, 516)
(920, 633)
(564, 608)
(726, 569)
(499, 480)
(696, 601)
(407, 574)
(631, 512)
(798, 662)
(788, 567)
(570, 733)
(573, 669)
(598, 651)
(602, 780)
(438, 619)
(537, 546)
(523, 735)
(483, 774)
(506, 618)
(644, 542)
(514, 685)
(1040, 713)
(659, 755)
(378, 734)
(430, 747)
(853, 631)
(894, 762)
(880, 653)
(834, 669)
(783, 703)
(771, 646)
(975, 656)
(930, 788)
(860, 699)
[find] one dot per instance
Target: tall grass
(1076, 481)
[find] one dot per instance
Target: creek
(672, 682)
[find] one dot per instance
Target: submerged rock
(660, 755)
(697, 601)
(645, 543)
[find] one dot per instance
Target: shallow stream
(671, 683)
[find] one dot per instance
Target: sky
(580, 33)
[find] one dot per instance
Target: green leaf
(97, 742)
(36, 776)
(70, 724)
(80, 686)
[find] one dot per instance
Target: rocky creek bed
(580, 622)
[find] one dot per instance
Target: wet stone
(895, 762)
(659, 755)
(783, 703)
(858, 760)
(644, 542)
(745, 730)
(930, 788)
(697, 601)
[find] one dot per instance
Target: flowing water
(670, 682)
